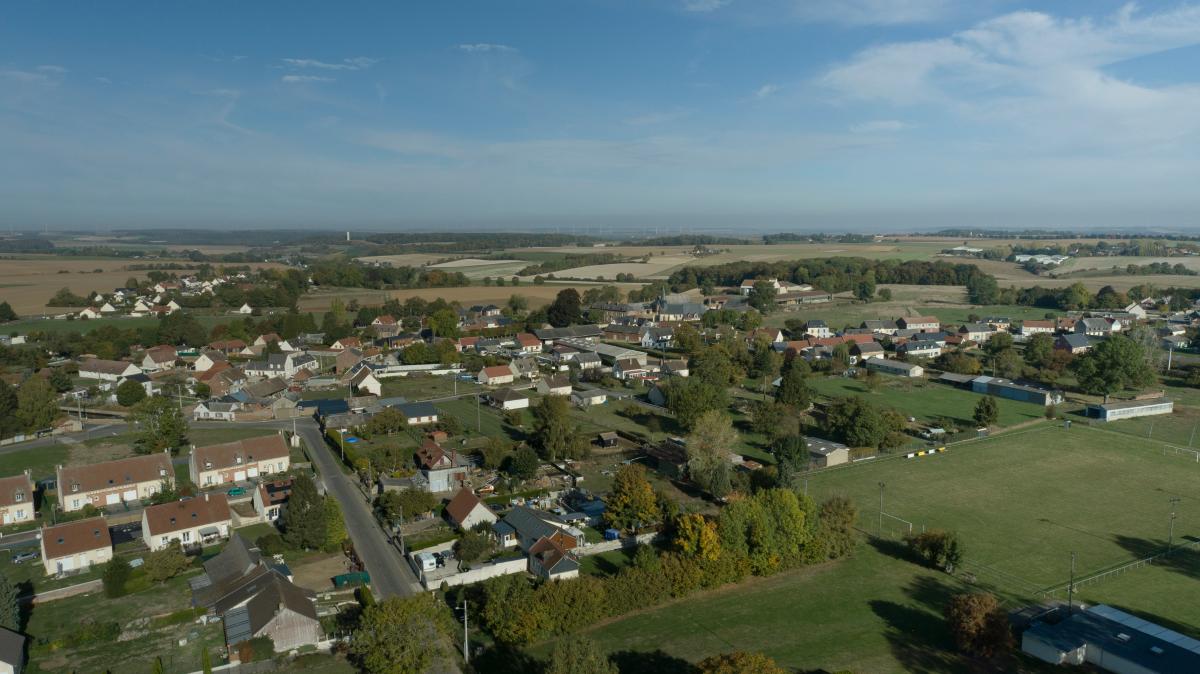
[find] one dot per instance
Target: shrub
(116, 574)
(270, 544)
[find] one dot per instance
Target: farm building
(895, 367)
(1003, 388)
(1127, 409)
(507, 399)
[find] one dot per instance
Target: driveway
(390, 574)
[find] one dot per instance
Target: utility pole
(1171, 528)
(478, 424)
(880, 531)
(466, 650)
(1071, 586)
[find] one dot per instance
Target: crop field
(658, 267)
(1022, 502)
(927, 400)
(537, 295)
(51, 325)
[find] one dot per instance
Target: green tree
(865, 289)
(1039, 350)
(304, 518)
(6, 312)
(387, 421)
(793, 388)
(979, 624)
(523, 464)
(689, 398)
(567, 308)
(10, 422)
(130, 393)
(1114, 364)
(941, 549)
(791, 456)
(987, 411)
(335, 526)
(696, 537)
(116, 574)
(552, 433)
(511, 610)
(762, 296)
(631, 502)
(708, 449)
(397, 636)
(10, 606)
(408, 503)
(471, 546)
(885, 294)
(160, 425)
(835, 526)
(579, 655)
(59, 380)
(714, 366)
(767, 417)
(205, 660)
(739, 662)
(444, 323)
(999, 342)
(164, 564)
(37, 404)
(859, 423)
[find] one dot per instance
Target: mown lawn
(40, 460)
(926, 400)
(1164, 593)
(1023, 502)
(424, 386)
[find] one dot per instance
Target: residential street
(390, 574)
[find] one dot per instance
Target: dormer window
(74, 487)
(19, 496)
(237, 460)
(207, 464)
(162, 472)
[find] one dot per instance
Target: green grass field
(1022, 502)
(871, 613)
(28, 325)
(425, 387)
(41, 460)
(926, 400)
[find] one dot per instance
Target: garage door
(7, 518)
(66, 563)
(110, 499)
(251, 472)
(239, 476)
(130, 495)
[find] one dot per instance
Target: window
(19, 496)
(74, 503)
(186, 537)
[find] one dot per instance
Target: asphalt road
(390, 574)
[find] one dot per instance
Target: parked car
(236, 491)
(25, 556)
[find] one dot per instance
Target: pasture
(1022, 502)
(538, 295)
(926, 400)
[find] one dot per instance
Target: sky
(596, 115)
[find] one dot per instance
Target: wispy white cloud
(301, 79)
(704, 6)
(652, 118)
(52, 69)
(484, 47)
(1041, 74)
(879, 126)
(357, 63)
(766, 90)
(872, 12)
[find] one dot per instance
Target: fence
(1116, 571)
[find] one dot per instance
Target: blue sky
(729, 115)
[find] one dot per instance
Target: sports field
(1023, 501)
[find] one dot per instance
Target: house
(976, 332)
(1128, 409)
(1003, 388)
(383, 320)
(1108, 639)
(895, 367)
(271, 497)
(678, 311)
(16, 498)
(418, 414)
(107, 370)
(629, 369)
(346, 343)
(770, 335)
(919, 349)
(284, 365)
(364, 382)
(817, 328)
(657, 337)
(267, 388)
(228, 347)
(191, 521)
(237, 461)
(159, 358)
(588, 398)
(623, 332)
(865, 350)
(507, 399)
(559, 385)
(209, 359)
(215, 411)
(346, 359)
(1030, 328)
(113, 482)
(465, 510)
(1000, 323)
(90, 313)
(12, 651)
(880, 327)
(1136, 309)
(495, 375)
(826, 453)
(245, 309)
(256, 598)
(1066, 324)
(1093, 327)
(550, 560)
(528, 343)
(921, 323)
(76, 546)
(442, 472)
(523, 527)
(1172, 342)
(587, 360)
(1073, 342)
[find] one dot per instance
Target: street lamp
(880, 531)
(1171, 530)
